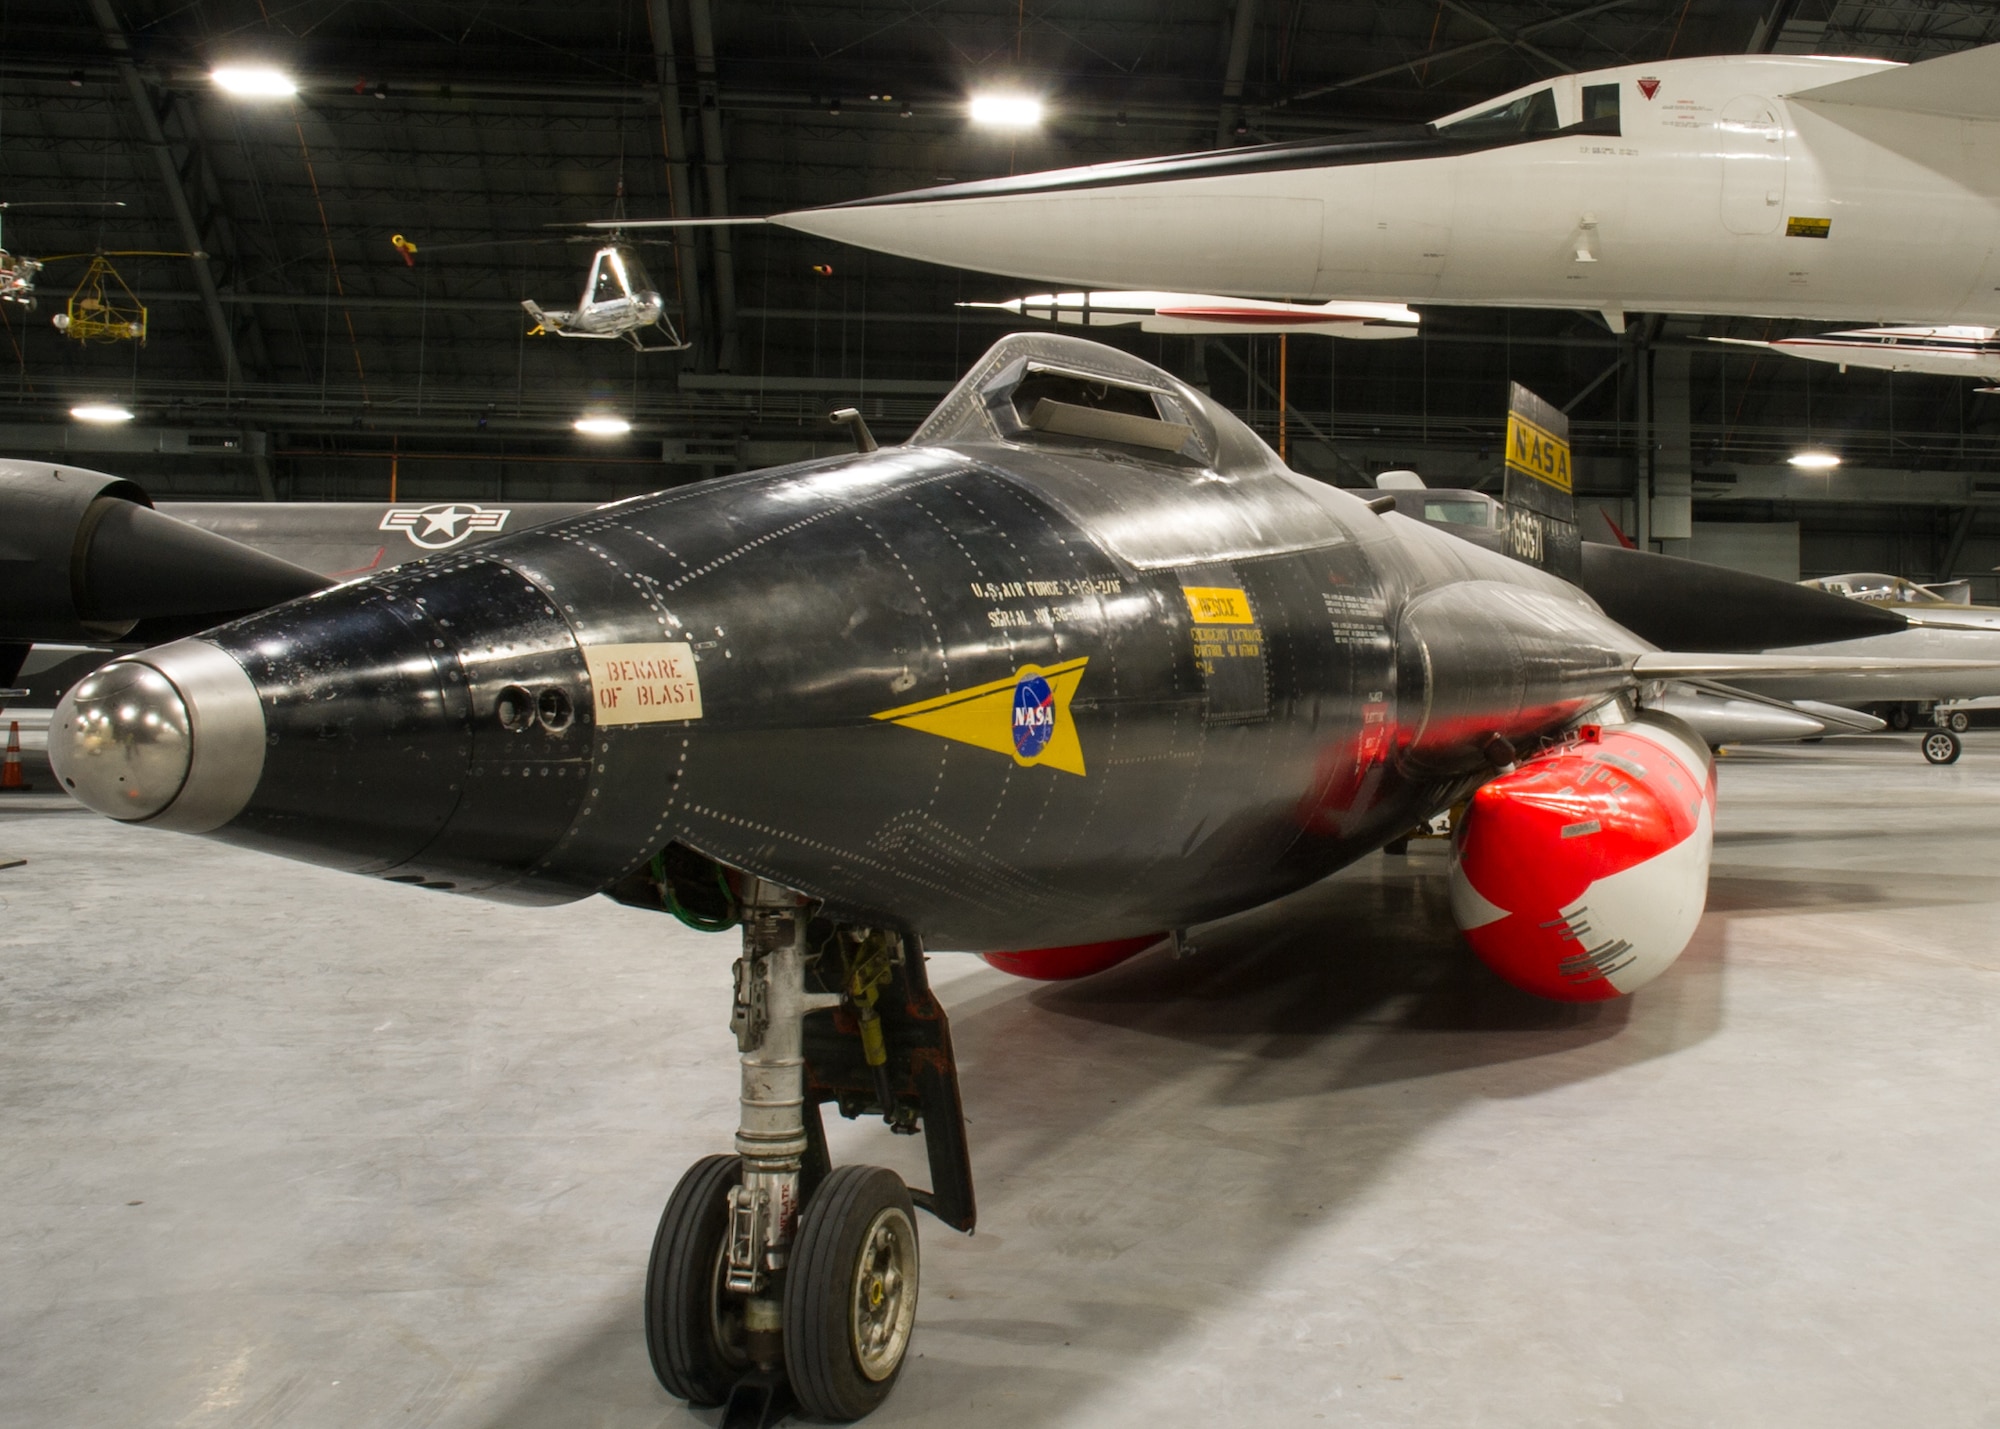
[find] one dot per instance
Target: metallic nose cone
(173, 737)
(120, 741)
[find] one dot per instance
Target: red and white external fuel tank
(1067, 964)
(1581, 874)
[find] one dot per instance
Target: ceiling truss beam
(177, 197)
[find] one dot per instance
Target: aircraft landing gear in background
(1941, 746)
(1901, 715)
(1960, 721)
(775, 1279)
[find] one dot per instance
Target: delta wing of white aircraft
(1942, 351)
(1785, 186)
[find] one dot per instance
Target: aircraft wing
(1964, 85)
(1837, 718)
(1677, 665)
(1944, 619)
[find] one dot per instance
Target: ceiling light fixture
(254, 82)
(103, 412)
(599, 425)
(1814, 461)
(1006, 111)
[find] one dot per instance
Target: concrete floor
(283, 1147)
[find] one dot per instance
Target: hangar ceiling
(302, 356)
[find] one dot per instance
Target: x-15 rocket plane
(1211, 313)
(1078, 666)
(1769, 185)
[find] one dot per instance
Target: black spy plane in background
(1078, 666)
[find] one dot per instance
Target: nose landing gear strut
(774, 1277)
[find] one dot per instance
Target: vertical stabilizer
(1541, 510)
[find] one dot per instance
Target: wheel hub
(884, 1311)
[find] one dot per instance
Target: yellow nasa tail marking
(985, 716)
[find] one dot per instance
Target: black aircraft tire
(1941, 746)
(695, 1343)
(1899, 716)
(1960, 722)
(851, 1292)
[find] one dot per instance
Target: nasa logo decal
(1034, 716)
(437, 528)
(1025, 716)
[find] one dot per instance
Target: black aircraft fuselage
(1080, 661)
(1079, 664)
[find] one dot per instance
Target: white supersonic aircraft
(1785, 186)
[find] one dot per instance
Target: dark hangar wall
(459, 124)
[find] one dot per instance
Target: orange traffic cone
(10, 772)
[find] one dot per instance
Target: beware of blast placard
(643, 684)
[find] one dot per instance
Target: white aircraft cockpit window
(1600, 102)
(1458, 513)
(1528, 115)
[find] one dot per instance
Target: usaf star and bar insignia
(436, 528)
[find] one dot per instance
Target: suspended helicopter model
(1765, 185)
(1079, 665)
(619, 299)
(18, 273)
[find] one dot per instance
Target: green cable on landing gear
(689, 885)
(701, 923)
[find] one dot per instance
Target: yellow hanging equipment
(103, 308)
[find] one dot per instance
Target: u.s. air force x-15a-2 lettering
(1080, 665)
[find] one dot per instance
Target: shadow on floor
(1155, 1136)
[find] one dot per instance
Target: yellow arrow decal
(1025, 716)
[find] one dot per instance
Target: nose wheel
(851, 1292)
(1941, 746)
(775, 1278)
(695, 1331)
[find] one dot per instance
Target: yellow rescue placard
(1218, 605)
(1537, 452)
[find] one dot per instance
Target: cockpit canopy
(1060, 393)
(1880, 589)
(1537, 111)
(616, 273)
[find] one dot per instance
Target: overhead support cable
(708, 101)
(332, 261)
(1512, 38)
(177, 198)
(1961, 529)
(1596, 382)
(1236, 66)
(1432, 57)
(680, 190)
(1285, 407)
